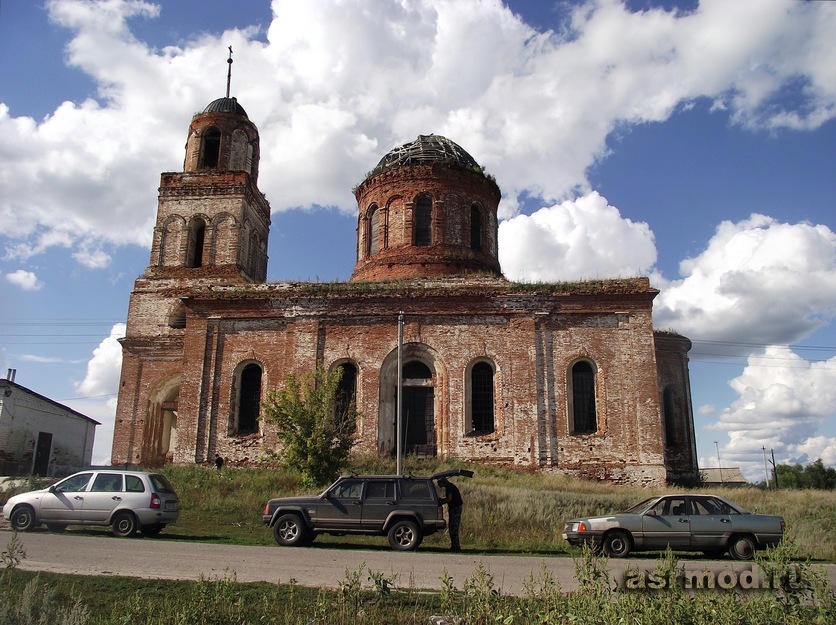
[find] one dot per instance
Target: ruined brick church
(566, 377)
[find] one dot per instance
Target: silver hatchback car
(126, 500)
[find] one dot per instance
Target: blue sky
(690, 142)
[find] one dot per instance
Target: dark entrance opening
(418, 425)
(419, 436)
(42, 452)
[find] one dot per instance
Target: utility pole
(399, 409)
(719, 466)
(765, 472)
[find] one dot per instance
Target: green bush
(314, 423)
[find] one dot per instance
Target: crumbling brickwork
(558, 377)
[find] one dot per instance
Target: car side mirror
(651, 513)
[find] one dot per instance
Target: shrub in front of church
(315, 422)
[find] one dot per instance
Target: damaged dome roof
(426, 149)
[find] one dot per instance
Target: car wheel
(742, 548)
(23, 519)
(124, 524)
(56, 527)
(404, 535)
(290, 531)
(617, 544)
(152, 530)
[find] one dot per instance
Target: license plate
(171, 505)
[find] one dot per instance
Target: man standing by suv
(453, 499)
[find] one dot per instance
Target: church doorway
(418, 421)
(418, 410)
(420, 376)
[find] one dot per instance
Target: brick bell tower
(212, 221)
(212, 229)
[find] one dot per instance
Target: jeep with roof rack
(404, 508)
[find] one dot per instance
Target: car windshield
(639, 507)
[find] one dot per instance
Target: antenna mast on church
(229, 71)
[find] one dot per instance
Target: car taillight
(440, 512)
(267, 509)
(783, 526)
(581, 527)
(156, 502)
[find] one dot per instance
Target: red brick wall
(531, 336)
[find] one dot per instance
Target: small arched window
(475, 228)
(481, 398)
(669, 407)
(584, 418)
(423, 221)
(249, 399)
(210, 148)
(197, 234)
(374, 231)
(346, 391)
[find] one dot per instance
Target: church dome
(424, 150)
(226, 105)
(426, 210)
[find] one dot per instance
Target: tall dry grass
(506, 509)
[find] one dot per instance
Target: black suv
(404, 508)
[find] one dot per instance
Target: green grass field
(506, 510)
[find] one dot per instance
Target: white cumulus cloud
(783, 402)
(100, 387)
(26, 280)
(336, 85)
(103, 369)
(577, 239)
(758, 281)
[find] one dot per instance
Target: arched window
(669, 407)
(346, 391)
(249, 399)
(584, 419)
(481, 398)
(423, 221)
(210, 148)
(374, 231)
(475, 228)
(197, 234)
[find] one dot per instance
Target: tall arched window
(669, 406)
(374, 231)
(423, 221)
(210, 148)
(249, 399)
(347, 390)
(481, 398)
(475, 228)
(584, 419)
(197, 235)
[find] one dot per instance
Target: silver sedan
(704, 523)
